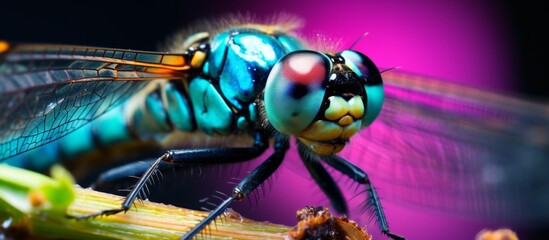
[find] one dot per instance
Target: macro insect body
(256, 79)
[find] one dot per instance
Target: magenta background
(459, 41)
(462, 41)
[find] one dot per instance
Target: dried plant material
(156, 220)
(34, 206)
(319, 223)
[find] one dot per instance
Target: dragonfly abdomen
(108, 130)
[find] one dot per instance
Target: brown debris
(500, 234)
(319, 223)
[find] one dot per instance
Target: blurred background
(492, 45)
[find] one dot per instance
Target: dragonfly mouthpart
(343, 119)
(325, 147)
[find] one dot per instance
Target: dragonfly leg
(187, 157)
(359, 176)
(247, 185)
(183, 157)
(130, 198)
(123, 172)
(326, 183)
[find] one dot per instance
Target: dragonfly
(437, 144)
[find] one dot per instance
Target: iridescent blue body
(220, 100)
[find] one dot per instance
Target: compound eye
(295, 89)
(365, 68)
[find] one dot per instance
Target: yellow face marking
(337, 109)
(346, 120)
(4, 46)
(322, 131)
(350, 130)
(343, 120)
(198, 59)
(356, 107)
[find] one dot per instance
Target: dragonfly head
(323, 99)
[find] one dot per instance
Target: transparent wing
(458, 149)
(48, 91)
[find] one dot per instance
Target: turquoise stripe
(111, 128)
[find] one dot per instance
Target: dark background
(144, 24)
(528, 23)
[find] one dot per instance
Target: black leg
(358, 175)
(323, 179)
(123, 172)
(248, 184)
(187, 157)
